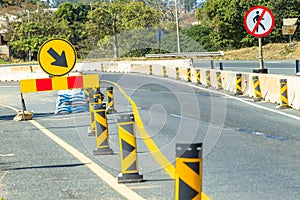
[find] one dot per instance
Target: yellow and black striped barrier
(164, 71)
(208, 83)
(188, 172)
(284, 102)
(177, 73)
(198, 76)
(219, 80)
(188, 75)
(238, 84)
(128, 151)
(110, 100)
(150, 70)
(257, 91)
(102, 140)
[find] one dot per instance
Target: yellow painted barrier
(219, 80)
(164, 71)
(198, 76)
(256, 85)
(284, 102)
(208, 83)
(239, 79)
(188, 74)
(177, 73)
(150, 70)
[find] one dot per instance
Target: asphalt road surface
(251, 151)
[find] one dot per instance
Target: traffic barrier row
(259, 86)
(178, 69)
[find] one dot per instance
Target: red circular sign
(259, 21)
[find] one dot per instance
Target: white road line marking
(100, 172)
(7, 155)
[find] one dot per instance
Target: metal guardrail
(187, 54)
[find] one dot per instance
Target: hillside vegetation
(272, 51)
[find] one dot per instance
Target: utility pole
(28, 20)
(177, 26)
(116, 45)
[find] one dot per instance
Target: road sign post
(259, 22)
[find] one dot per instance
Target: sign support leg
(261, 61)
(23, 106)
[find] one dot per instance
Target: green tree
(70, 20)
(27, 36)
(225, 17)
(110, 19)
(199, 34)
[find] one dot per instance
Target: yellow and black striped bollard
(188, 74)
(110, 100)
(102, 140)
(188, 172)
(238, 84)
(257, 91)
(128, 150)
(198, 76)
(284, 103)
(177, 73)
(164, 71)
(150, 70)
(208, 84)
(219, 81)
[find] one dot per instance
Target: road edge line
(99, 171)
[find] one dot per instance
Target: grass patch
(3, 62)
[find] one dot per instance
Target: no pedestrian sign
(259, 21)
(57, 57)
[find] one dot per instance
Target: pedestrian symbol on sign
(256, 19)
(259, 21)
